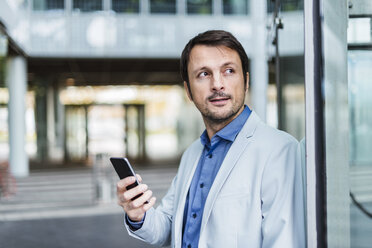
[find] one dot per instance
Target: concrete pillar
(259, 67)
(217, 7)
(144, 7)
(107, 5)
(50, 119)
(16, 79)
(181, 7)
(41, 108)
(60, 125)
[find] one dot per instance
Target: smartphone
(124, 169)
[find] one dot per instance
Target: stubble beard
(213, 118)
(217, 118)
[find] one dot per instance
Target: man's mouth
(219, 98)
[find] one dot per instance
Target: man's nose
(217, 83)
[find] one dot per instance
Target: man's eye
(203, 74)
(229, 71)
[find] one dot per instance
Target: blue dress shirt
(213, 154)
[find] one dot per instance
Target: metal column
(259, 67)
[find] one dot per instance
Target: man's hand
(134, 209)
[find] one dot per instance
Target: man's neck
(213, 127)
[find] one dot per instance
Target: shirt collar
(231, 130)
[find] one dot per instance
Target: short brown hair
(213, 38)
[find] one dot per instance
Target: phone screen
(124, 169)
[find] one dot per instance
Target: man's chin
(220, 118)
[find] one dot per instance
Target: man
(240, 185)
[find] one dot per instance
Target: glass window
(360, 122)
(199, 6)
(235, 7)
(48, 4)
(360, 138)
(128, 6)
(163, 6)
(87, 5)
(360, 102)
(286, 5)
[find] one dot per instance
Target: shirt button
(194, 215)
(201, 185)
(210, 156)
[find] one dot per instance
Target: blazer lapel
(232, 157)
(189, 172)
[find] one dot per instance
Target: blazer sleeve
(157, 225)
(282, 197)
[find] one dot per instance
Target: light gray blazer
(256, 199)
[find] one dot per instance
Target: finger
(124, 183)
(139, 178)
(142, 199)
(128, 195)
(138, 213)
(150, 204)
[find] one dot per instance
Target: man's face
(216, 82)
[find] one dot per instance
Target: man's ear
(188, 92)
(247, 82)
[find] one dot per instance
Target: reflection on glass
(360, 114)
(292, 80)
(360, 102)
(199, 6)
(294, 95)
(235, 7)
(163, 6)
(87, 5)
(48, 4)
(128, 6)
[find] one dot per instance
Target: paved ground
(77, 192)
(91, 232)
(107, 230)
(61, 209)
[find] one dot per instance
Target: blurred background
(102, 76)
(83, 80)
